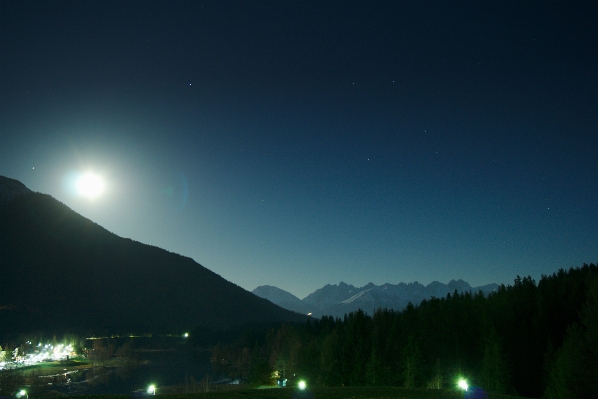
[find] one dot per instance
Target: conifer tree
(411, 362)
(575, 370)
(495, 371)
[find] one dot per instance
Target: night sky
(299, 144)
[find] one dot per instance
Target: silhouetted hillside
(63, 272)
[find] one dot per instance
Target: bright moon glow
(90, 185)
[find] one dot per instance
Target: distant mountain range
(337, 300)
(64, 273)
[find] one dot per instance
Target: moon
(90, 185)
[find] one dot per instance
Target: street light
(302, 385)
(462, 383)
(22, 394)
(151, 390)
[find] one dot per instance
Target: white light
(90, 185)
(463, 384)
(302, 385)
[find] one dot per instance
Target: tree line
(530, 339)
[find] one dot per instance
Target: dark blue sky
(303, 143)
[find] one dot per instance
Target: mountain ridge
(338, 300)
(10, 189)
(67, 273)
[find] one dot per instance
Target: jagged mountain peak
(337, 300)
(459, 285)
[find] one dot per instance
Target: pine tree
(575, 370)
(411, 362)
(495, 371)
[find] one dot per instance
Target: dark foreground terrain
(328, 393)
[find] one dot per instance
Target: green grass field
(320, 393)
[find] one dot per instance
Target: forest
(529, 339)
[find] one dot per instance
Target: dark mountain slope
(61, 271)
